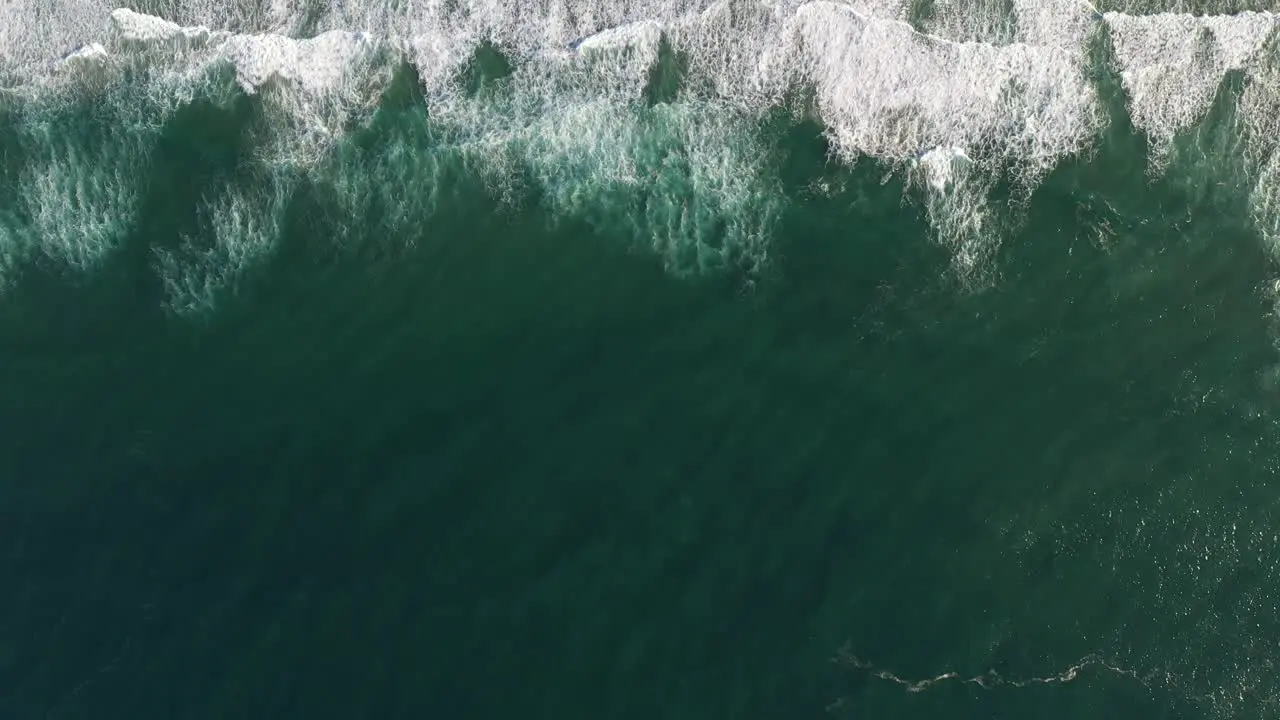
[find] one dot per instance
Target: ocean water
(665, 359)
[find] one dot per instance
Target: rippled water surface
(885, 359)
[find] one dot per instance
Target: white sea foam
(92, 53)
(36, 34)
(988, 21)
(1259, 113)
(740, 51)
(955, 192)
(887, 91)
(572, 111)
(317, 65)
(691, 168)
(244, 228)
(883, 9)
(137, 27)
(1172, 64)
(1188, 7)
(944, 167)
(79, 197)
(1003, 83)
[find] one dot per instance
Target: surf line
(991, 680)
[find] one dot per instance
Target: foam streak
(991, 679)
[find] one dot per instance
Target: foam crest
(960, 94)
(738, 52)
(529, 28)
(887, 91)
(1059, 23)
(312, 87)
(1173, 67)
(136, 27)
(955, 195)
(642, 34)
(235, 16)
(36, 34)
(1172, 64)
(988, 21)
(883, 9)
(92, 54)
(686, 178)
(614, 64)
(1050, 23)
(573, 117)
(90, 66)
(1259, 112)
(316, 66)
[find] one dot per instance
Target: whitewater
(645, 116)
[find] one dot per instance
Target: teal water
(461, 442)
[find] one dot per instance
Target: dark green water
(498, 461)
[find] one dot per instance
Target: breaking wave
(658, 119)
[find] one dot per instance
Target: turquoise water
(575, 395)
